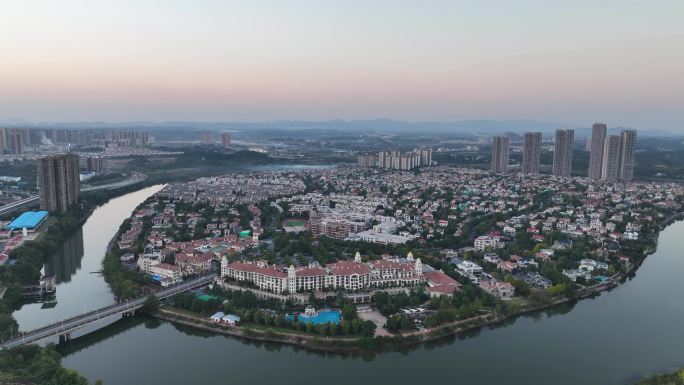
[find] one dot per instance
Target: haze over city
(572, 62)
(296, 192)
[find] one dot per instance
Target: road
(133, 179)
(68, 325)
(26, 202)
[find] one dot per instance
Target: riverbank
(342, 345)
(347, 345)
(675, 378)
(604, 329)
(36, 255)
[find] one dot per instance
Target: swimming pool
(323, 316)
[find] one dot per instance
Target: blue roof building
(28, 220)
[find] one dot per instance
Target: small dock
(45, 288)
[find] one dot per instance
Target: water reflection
(67, 261)
(612, 338)
(112, 330)
(76, 266)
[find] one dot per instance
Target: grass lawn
(267, 328)
(259, 327)
(517, 302)
(293, 222)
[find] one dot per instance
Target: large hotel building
(345, 275)
(58, 181)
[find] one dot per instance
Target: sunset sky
(576, 61)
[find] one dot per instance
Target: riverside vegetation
(35, 364)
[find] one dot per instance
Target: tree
(151, 305)
(368, 329)
(349, 311)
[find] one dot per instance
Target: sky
(616, 61)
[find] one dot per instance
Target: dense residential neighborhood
(516, 240)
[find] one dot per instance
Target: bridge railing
(72, 323)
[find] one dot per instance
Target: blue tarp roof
(29, 219)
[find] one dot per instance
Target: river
(80, 286)
(612, 339)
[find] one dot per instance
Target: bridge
(64, 328)
(30, 201)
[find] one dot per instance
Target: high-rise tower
(500, 153)
(531, 152)
(208, 138)
(15, 141)
(3, 140)
(58, 181)
(598, 136)
(611, 156)
(626, 162)
(562, 154)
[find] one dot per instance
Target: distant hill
(384, 126)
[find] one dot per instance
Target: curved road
(134, 178)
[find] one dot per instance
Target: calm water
(614, 338)
(80, 286)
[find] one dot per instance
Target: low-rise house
(193, 264)
(230, 319)
(573, 274)
(146, 261)
(216, 317)
(492, 258)
(166, 274)
(127, 258)
(507, 266)
(499, 289)
(485, 241)
(470, 269)
(535, 280)
(440, 284)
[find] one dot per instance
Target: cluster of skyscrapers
(15, 141)
(208, 138)
(531, 153)
(58, 181)
(611, 157)
(11, 141)
(122, 138)
(94, 164)
(397, 160)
